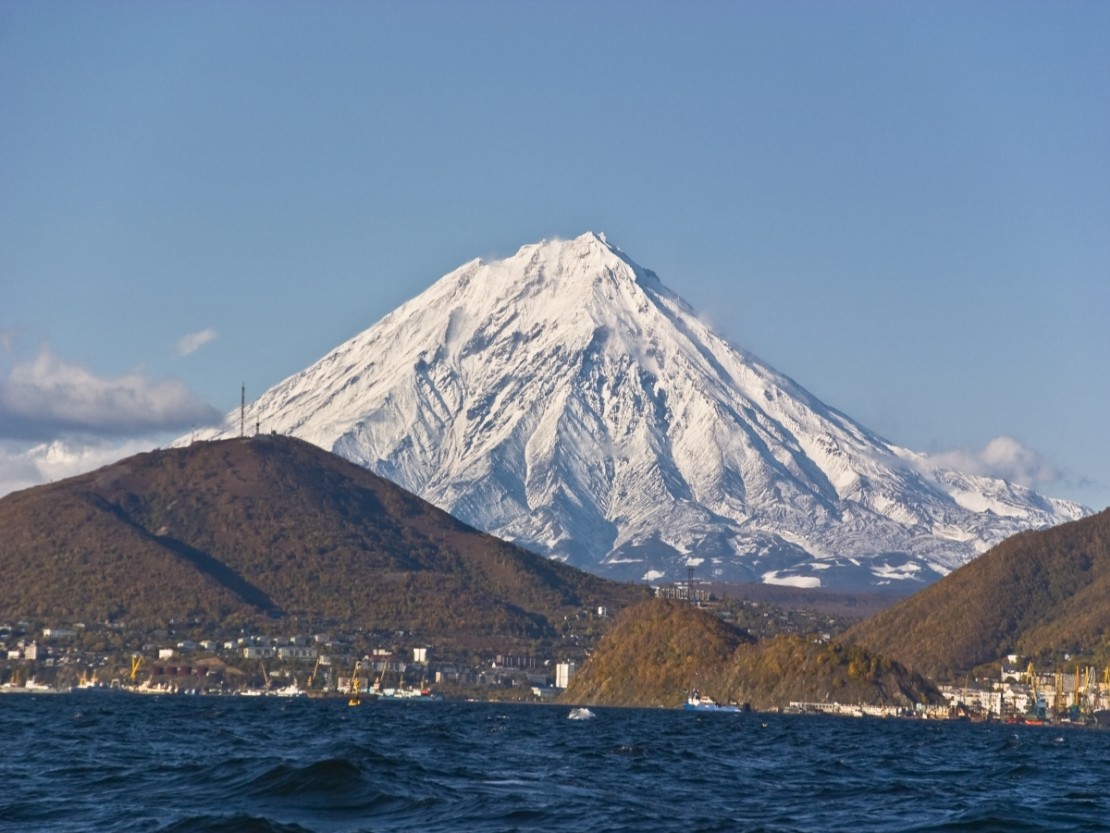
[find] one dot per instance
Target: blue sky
(903, 206)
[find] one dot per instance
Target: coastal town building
(564, 671)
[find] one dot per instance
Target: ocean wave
(237, 823)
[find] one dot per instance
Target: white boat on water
(407, 693)
(291, 690)
(148, 687)
(32, 686)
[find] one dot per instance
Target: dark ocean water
(187, 764)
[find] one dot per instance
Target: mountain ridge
(565, 399)
(1041, 594)
(266, 527)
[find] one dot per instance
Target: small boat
(291, 690)
(701, 703)
(581, 714)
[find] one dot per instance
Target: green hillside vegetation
(264, 528)
(658, 650)
(1040, 594)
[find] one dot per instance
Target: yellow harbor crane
(312, 677)
(136, 664)
(354, 699)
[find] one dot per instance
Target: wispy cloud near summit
(192, 342)
(1003, 457)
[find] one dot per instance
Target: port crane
(312, 677)
(354, 699)
(1058, 699)
(1038, 705)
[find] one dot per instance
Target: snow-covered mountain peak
(586, 258)
(563, 398)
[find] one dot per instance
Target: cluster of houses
(251, 661)
(1020, 694)
(1079, 694)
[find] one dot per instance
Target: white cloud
(22, 467)
(49, 397)
(8, 340)
(194, 341)
(17, 471)
(1003, 457)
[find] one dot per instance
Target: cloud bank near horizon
(59, 419)
(21, 467)
(48, 397)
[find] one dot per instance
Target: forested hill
(271, 527)
(1040, 594)
(659, 650)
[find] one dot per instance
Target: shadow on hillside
(204, 563)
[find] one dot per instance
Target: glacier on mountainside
(564, 399)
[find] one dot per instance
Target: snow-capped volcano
(566, 400)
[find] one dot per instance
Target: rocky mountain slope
(267, 528)
(566, 400)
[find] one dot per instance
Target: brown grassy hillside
(794, 668)
(658, 650)
(654, 653)
(1039, 594)
(269, 527)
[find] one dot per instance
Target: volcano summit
(565, 400)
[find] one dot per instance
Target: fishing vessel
(702, 703)
(405, 692)
(32, 686)
(409, 693)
